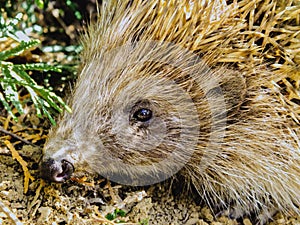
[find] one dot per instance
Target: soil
(90, 199)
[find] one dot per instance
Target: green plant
(114, 215)
(73, 6)
(13, 76)
(144, 222)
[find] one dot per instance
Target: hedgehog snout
(56, 171)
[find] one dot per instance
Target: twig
(15, 155)
(15, 136)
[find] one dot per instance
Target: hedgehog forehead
(123, 76)
(129, 90)
(134, 85)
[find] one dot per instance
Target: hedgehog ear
(234, 90)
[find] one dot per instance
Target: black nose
(56, 171)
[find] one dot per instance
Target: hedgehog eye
(142, 115)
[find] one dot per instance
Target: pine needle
(16, 156)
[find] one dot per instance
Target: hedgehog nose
(56, 171)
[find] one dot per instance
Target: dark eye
(143, 115)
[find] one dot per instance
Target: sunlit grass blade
(38, 67)
(7, 107)
(18, 49)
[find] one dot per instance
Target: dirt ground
(91, 199)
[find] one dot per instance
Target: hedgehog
(161, 94)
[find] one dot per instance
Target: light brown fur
(245, 154)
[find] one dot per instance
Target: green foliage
(117, 213)
(144, 222)
(14, 75)
(19, 25)
(29, 5)
(74, 8)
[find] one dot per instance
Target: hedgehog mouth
(56, 171)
